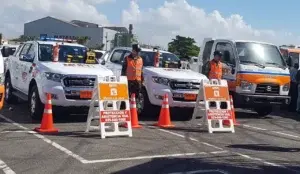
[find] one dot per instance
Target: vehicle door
(26, 68)
(228, 61)
(17, 66)
(205, 58)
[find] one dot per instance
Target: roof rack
(57, 39)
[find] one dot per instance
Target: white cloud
(159, 26)
(14, 13)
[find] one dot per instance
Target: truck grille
(79, 82)
(265, 88)
(184, 85)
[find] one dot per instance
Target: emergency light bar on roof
(57, 39)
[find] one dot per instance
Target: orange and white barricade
(110, 105)
(213, 106)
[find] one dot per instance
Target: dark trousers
(135, 87)
(293, 93)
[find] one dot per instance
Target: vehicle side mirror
(102, 62)
(27, 58)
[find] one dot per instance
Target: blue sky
(254, 20)
(261, 14)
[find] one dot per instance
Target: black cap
(218, 53)
(136, 47)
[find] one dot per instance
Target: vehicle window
(67, 53)
(148, 57)
(31, 52)
(18, 50)
(25, 49)
(258, 53)
(98, 55)
(207, 51)
(227, 50)
(116, 57)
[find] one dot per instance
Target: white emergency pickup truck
(31, 73)
(181, 85)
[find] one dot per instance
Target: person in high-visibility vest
(133, 68)
(215, 66)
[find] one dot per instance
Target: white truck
(256, 72)
(181, 85)
(32, 72)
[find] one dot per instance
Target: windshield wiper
(273, 63)
(254, 63)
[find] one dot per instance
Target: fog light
(159, 97)
(247, 99)
(286, 101)
(53, 96)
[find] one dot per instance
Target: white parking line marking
(5, 168)
(201, 171)
(258, 128)
(19, 131)
(285, 134)
(240, 154)
(145, 157)
(59, 147)
(263, 161)
(193, 139)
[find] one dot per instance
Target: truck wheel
(36, 107)
(147, 109)
(9, 97)
(263, 111)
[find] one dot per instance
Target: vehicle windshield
(165, 58)
(67, 53)
(261, 54)
(294, 58)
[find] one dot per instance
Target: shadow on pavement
(217, 165)
(264, 147)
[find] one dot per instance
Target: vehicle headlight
(246, 85)
(161, 80)
(286, 87)
(2, 78)
(53, 76)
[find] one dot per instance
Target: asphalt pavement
(259, 145)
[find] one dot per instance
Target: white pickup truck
(31, 73)
(181, 85)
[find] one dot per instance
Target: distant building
(53, 27)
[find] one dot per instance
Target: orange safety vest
(215, 70)
(134, 68)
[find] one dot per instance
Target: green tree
(98, 47)
(24, 38)
(184, 47)
(82, 40)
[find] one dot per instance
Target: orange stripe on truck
(257, 78)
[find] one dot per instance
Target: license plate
(190, 96)
(86, 94)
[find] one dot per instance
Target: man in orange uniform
(133, 69)
(215, 66)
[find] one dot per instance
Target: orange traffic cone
(164, 120)
(47, 121)
(133, 112)
(226, 122)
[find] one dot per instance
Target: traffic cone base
(164, 126)
(52, 130)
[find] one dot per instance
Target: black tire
(35, 106)
(148, 109)
(264, 111)
(9, 97)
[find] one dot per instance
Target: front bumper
(252, 100)
(174, 98)
(63, 96)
